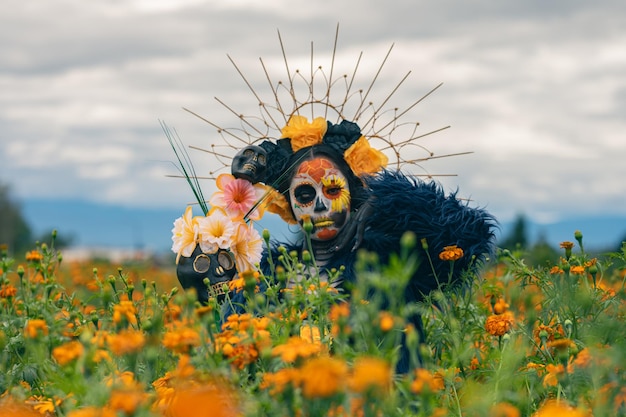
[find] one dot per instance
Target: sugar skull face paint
(319, 190)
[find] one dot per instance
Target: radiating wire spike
(328, 92)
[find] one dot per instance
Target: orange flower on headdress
(363, 159)
(277, 203)
(302, 133)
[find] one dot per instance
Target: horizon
(95, 225)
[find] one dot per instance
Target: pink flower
(238, 196)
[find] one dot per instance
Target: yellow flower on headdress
(302, 133)
(363, 159)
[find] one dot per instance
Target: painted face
(320, 192)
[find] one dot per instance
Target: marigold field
(102, 340)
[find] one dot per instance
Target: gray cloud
(535, 90)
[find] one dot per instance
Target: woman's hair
(358, 192)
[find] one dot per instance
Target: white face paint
(319, 191)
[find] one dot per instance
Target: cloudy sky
(536, 90)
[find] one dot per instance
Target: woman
(334, 184)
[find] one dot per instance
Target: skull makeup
(250, 163)
(320, 191)
(218, 267)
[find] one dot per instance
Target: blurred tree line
(540, 253)
(15, 232)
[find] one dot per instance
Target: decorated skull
(218, 267)
(250, 163)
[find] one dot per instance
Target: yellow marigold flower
(426, 381)
(310, 333)
(125, 310)
(499, 324)
(577, 270)
(35, 328)
(45, 406)
(386, 321)
(554, 408)
(363, 159)
(126, 341)
(304, 134)
(322, 377)
(504, 410)
(68, 352)
(296, 347)
(451, 253)
(34, 256)
(8, 291)
(370, 373)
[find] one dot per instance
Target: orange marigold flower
(363, 159)
(499, 324)
(338, 311)
(426, 381)
(68, 352)
(302, 133)
(13, 408)
(181, 339)
(8, 291)
(583, 359)
(127, 400)
(451, 253)
(92, 412)
(278, 381)
(551, 379)
(35, 328)
(125, 310)
(500, 306)
(213, 399)
(278, 204)
(386, 321)
(577, 270)
(370, 373)
(126, 341)
(34, 256)
(555, 270)
(561, 345)
(554, 408)
(296, 347)
(504, 410)
(322, 377)
(566, 245)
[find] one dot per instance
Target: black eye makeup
(304, 194)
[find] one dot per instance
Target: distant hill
(100, 225)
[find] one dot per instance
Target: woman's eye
(333, 191)
(304, 193)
